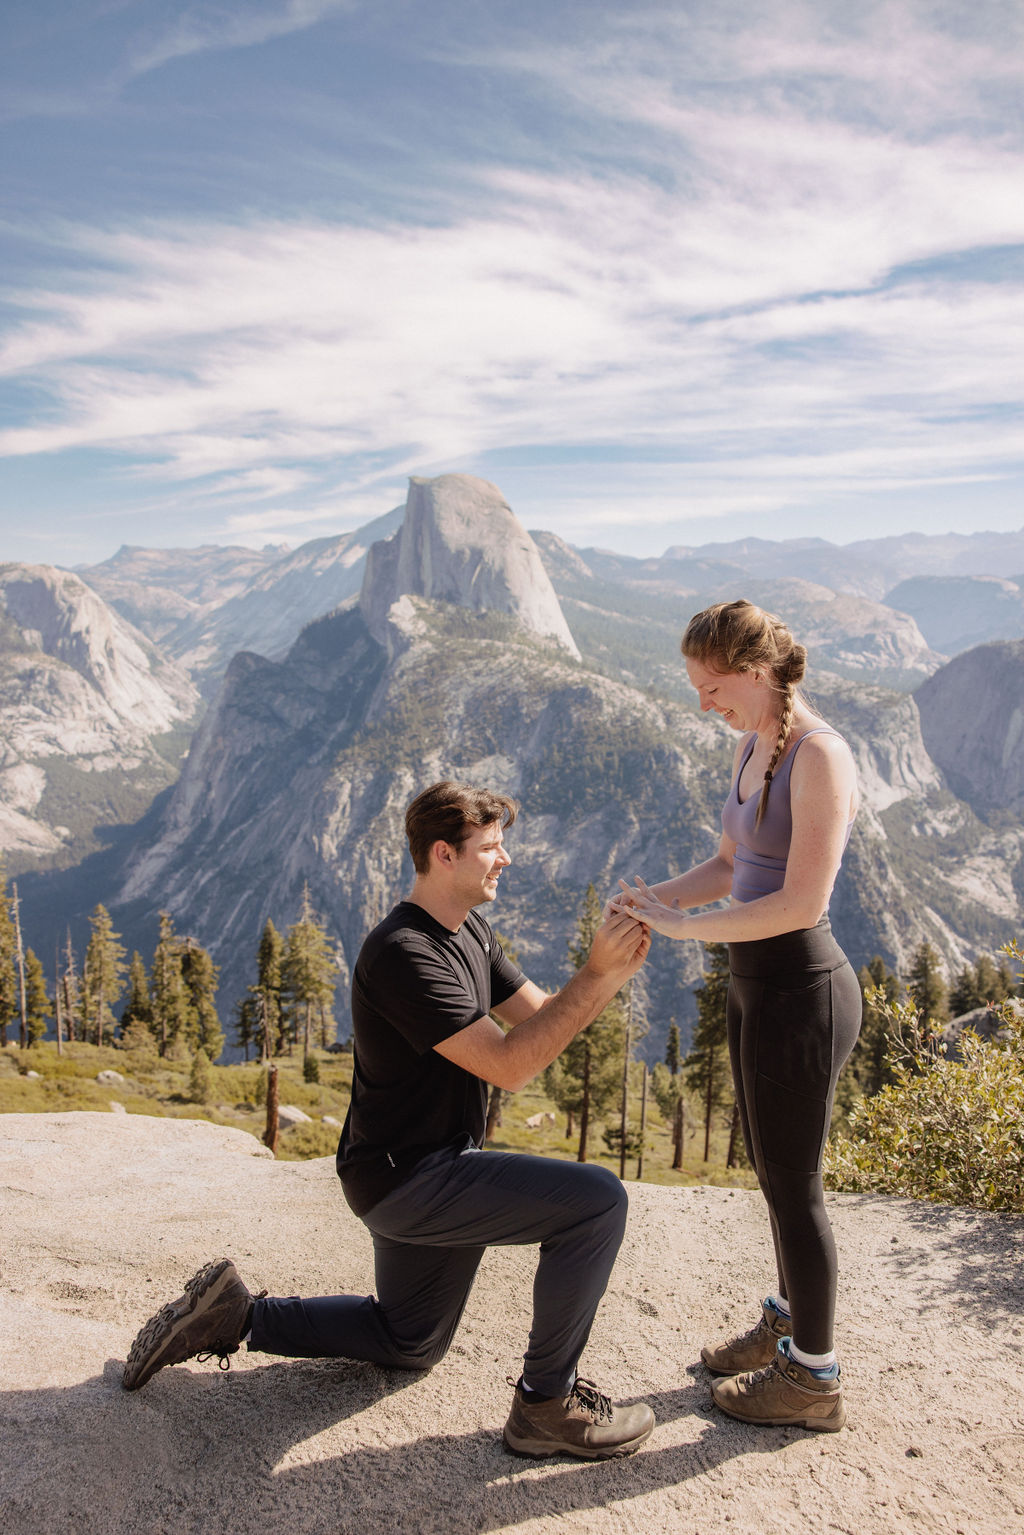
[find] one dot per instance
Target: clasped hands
(640, 902)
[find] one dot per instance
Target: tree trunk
(569, 1123)
(581, 1155)
(270, 1133)
(624, 1115)
(56, 1002)
(677, 1137)
(709, 1102)
(493, 1113)
(643, 1125)
(66, 989)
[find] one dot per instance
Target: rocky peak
(460, 543)
(61, 617)
(972, 722)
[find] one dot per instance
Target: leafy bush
(950, 1126)
(301, 1142)
(200, 1085)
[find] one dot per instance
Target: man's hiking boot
(211, 1318)
(584, 1423)
(784, 1393)
(751, 1349)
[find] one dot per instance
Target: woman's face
(741, 698)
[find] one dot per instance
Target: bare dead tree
(643, 1124)
(270, 1133)
(624, 1116)
(57, 1008)
(677, 1136)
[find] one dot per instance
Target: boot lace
(758, 1377)
(220, 1351)
(592, 1400)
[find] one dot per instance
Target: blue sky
(665, 273)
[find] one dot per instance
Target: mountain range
(444, 640)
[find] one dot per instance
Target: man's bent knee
(420, 1356)
(608, 1197)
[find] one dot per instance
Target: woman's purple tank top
(759, 863)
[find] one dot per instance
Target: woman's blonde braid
(788, 692)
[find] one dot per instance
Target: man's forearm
(539, 1040)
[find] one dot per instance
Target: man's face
(479, 863)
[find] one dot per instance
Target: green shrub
(947, 1129)
(200, 1085)
(301, 1142)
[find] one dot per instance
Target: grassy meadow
(39, 1081)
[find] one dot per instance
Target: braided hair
(740, 637)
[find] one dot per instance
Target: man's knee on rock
(421, 1356)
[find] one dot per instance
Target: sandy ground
(105, 1216)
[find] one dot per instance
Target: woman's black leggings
(793, 1016)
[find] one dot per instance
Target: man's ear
(443, 855)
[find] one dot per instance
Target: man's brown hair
(448, 812)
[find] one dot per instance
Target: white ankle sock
(811, 1361)
(781, 1304)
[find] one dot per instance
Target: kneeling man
(410, 1158)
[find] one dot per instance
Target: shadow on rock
(266, 1449)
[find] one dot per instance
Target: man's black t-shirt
(415, 984)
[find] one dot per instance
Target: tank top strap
(817, 730)
(786, 769)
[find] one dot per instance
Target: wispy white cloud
(203, 27)
(779, 290)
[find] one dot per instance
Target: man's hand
(639, 903)
(620, 946)
(545, 1025)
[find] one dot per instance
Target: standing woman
(794, 1002)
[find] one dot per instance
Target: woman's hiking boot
(753, 1349)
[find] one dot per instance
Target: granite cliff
(972, 718)
(91, 714)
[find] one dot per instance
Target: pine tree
(9, 1006)
(71, 994)
(200, 1086)
(307, 974)
(926, 985)
(37, 1002)
(199, 974)
(673, 1055)
(103, 974)
(267, 993)
(964, 995)
(19, 964)
(667, 1087)
(248, 1029)
(138, 1008)
(708, 1071)
(586, 1078)
(167, 995)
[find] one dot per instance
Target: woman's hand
(639, 901)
